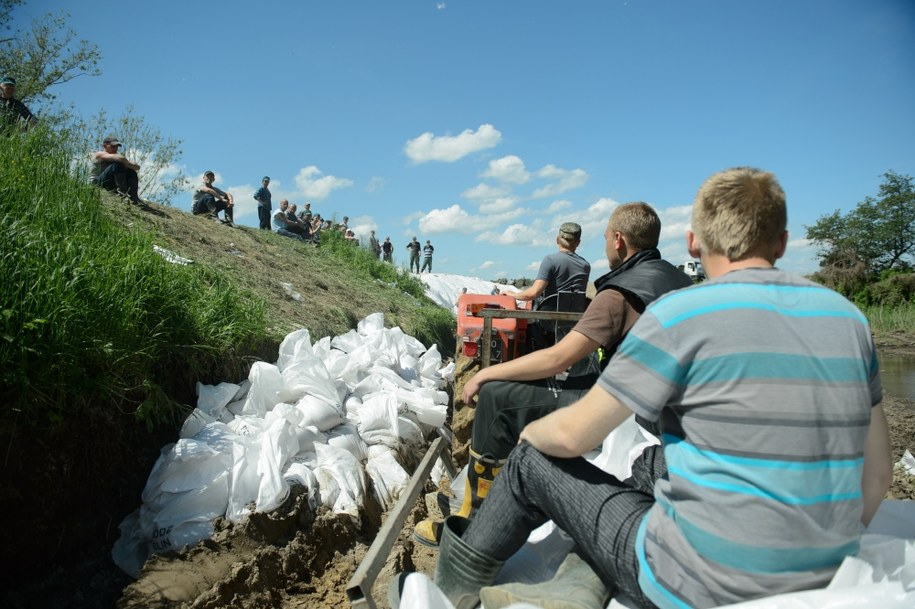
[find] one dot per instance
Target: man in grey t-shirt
(564, 271)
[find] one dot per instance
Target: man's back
(763, 383)
(564, 272)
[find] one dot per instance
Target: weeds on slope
(89, 313)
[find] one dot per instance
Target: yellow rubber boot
(481, 471)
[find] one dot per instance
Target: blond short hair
(738, 210)
(639, 223)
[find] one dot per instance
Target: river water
(898, 375)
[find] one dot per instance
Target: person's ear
(781, 245)
(692, 244)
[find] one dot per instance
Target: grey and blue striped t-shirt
(763, 384)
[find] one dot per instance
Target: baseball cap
(267, 178)
(8, 80)
(209, 173)
(111, 140)
(570, 229)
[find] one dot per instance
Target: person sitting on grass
(209, 200)
(115, 172)
(295, 224)
(281, 222)
(766, 388)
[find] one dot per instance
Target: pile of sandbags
(323, 417)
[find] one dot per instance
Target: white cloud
(557, 206)
(534, 266)
(487, 265)
(318, 188)
(481, 192)
(375, 184)
(515, 234)
(440, 6)
(507, 169)
(498, 206)
(427, 147)
(452, 219)
(563, 180)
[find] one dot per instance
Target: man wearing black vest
(517, 392)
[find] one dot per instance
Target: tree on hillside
(161, 177)
(878, 235)
(46, 55)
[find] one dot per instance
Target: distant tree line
(868, 253)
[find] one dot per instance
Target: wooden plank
(359, 588)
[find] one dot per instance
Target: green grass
(91, 318)
(882, 318)
(89, 313)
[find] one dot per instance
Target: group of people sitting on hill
(762, 392)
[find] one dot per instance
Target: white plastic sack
(212, 399)
(388, 477)
(319, 413)
(341, 479)
(266, 385)
(346, 436)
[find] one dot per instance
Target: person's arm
(539, 364)
(878, 464)
(574, 430)
(116, 158)
(533, 291)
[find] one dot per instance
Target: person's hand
(472, 388)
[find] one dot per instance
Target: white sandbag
(318, 412)
(622, 447)
(389, 478)
(335, 361)
(371, 324)
(266, 385)
(341, 479)
(299, 472)
(419, 592)
(279, 444)
(194, 423)
(348, 342)
(428, 405)
(307, 375)
(294, 344)
(129, 552)
(346, 436)
(184, 465)
(204, 503)
(244, 481)
(378, 420)
(212, 399)
(447, 371)
(166, 537)
(237, 405)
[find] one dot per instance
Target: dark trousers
(118, 178)
(263, 217)
(427, 264)
(414, 260)
(209, 204)
(600, 513)
(504, 408)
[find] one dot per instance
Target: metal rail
(489, 314)
(359, 588)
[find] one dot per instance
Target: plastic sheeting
(324, 416)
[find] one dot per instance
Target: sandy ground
(295, 560)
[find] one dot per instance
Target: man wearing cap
(264, 204)
(564, 271)
(115, 172)
(211, 200)
(14, 111)
(517, 392)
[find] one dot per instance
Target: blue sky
(483, 125)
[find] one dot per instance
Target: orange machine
(508, 335)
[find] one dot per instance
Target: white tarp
(324, 416)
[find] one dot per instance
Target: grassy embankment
(103, 340)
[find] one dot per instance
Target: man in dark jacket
(517, 392)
